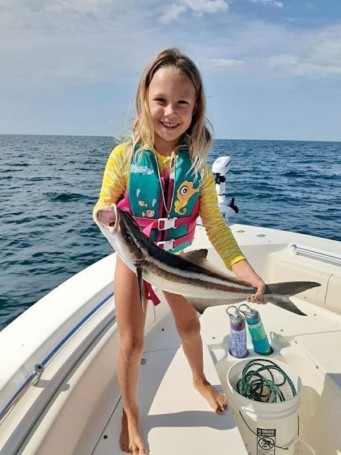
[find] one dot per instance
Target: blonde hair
(198, 137)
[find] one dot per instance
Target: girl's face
(171, 101)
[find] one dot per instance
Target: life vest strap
(167, 245)
(163, 224)
(151, 293)
(169, 223)
(175, 243)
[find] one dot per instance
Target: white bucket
(266, 428)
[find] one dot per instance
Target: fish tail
(279, 294)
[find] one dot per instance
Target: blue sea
(49, 185)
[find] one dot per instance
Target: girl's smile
(171, 102)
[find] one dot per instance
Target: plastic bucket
(266, 428)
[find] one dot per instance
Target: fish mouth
(114, 225)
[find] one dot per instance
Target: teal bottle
(256, 329)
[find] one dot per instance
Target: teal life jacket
(165, 206)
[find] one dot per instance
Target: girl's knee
(131, 348)
(189, 329)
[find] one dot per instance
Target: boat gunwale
(38, 369)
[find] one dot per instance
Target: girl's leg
(188, 326)
(130, 323)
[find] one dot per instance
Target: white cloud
(82, 6)
(174, 11)
(263, 50)
(225, 62)
(206, 6)
(313, 54)
(57, 42)
(223, 65)
(66, 49)
(38, 6)
(276, 3)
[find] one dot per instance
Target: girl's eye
(183, 102)
(160, 100)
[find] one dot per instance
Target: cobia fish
(189, 274)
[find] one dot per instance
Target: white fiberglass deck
(175, 418)
(172, 412)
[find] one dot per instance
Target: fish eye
(184, 190)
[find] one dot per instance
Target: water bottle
(259, 338)
(238, 346)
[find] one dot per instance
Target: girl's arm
(217, 230)
(222, 238)
(245, 272)
(114, 180)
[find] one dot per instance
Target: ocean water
(49, 185)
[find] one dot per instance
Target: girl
(160, 173)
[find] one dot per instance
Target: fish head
(138, 242)
(118, 228)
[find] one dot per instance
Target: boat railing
(38, 369)
(315, 254)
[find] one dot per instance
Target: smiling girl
(161, 177)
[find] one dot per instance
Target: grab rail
(38, 369)
(315, 254)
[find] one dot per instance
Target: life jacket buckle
(166, 244)
(164, 224)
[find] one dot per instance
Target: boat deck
(170, 408)
(172, 411)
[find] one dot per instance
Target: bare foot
(130, 438)
(216, 399)
(124, 436)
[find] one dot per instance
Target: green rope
(255, 386)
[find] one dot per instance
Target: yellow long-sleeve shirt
(115, 183)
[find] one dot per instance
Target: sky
(271, 68)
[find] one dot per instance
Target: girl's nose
(169, 109)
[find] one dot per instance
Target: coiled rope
(263, 380)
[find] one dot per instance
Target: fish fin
(140, 286)
(278, 294)
(195, 256)
(200, 305)
(285, 303)
(199, 257)
(290, 287)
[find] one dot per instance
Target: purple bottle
(238, 343)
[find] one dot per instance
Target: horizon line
(215, 139)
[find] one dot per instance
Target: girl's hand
(106, 216)
(258, 283)
(245, 272)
